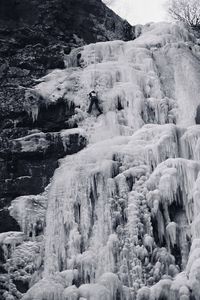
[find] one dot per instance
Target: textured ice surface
(29, 211)
(123, 215)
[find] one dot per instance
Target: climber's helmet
(92, 94)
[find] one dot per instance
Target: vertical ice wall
(123, 213)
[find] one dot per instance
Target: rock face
(31, 144)
(60, 20)
(35, 35)
(27, 163)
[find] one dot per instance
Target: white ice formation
(123, 215)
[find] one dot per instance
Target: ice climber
(94, 100)
(80, 61)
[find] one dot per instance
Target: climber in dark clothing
(94, 100)
(80, 61)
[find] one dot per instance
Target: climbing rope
(95, 77)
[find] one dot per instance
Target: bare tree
(187, 11)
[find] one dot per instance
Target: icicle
(190, 143)
(68, 277)
(70, 293)
(9, 241)
(112, 283)
(174, 174)
(143, 294)
(45, 289)
(161, 289)
(193, 269)
(148, 242)
(184, 297)
(29, 211)
(65, 136)
(192, 261)
(34, 112)
(184, 291)
(94, 292)
(180, 286)
(161, 227)
(195, 244)
(87, 266)
(171, 230)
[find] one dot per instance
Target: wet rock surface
(31, 145)
(28, 163)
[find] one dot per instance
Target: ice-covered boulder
(45, 289)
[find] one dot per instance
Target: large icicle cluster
(123, 215)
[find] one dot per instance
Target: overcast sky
(139, 11)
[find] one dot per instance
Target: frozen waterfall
(123, 215)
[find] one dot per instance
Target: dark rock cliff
(35, 35)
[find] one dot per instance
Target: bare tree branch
(187, 11)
